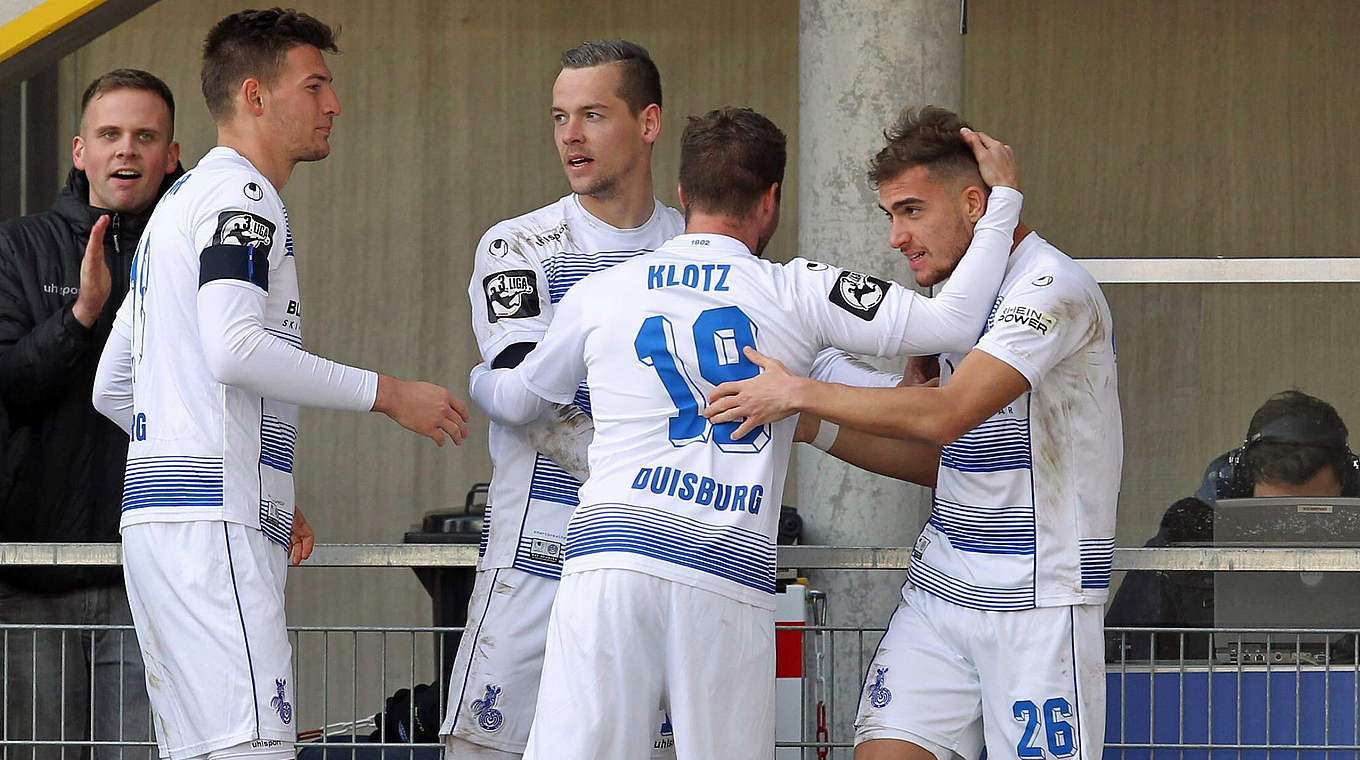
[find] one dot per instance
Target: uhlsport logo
(488, 717)
(512, 294)
(879, 695)
(666, 740)
(280, 702)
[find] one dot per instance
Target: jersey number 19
(720, 334)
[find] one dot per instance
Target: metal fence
(1183, 692)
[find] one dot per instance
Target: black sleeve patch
(512, 294)
(234, 262)
(244, 229)
(512, 355)
(859, 294)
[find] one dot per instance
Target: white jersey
(523, 268)
(202, 449)
(669, 493)
(1024, 511)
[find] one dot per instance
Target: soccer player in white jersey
(606, 114)
(205, 369)
(667, 588)
(997, 640)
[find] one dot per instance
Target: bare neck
(700, 223)
(628, 207)
(275, 167)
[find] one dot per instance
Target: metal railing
(1298, 693)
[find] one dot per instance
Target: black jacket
(61, 462)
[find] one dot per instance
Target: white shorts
(207, 603)
(494, 683)
(1028, 685)
(620, 643)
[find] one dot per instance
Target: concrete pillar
(860, 63)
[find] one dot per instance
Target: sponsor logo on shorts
(512, 294)
(879, 695)
(280, 703)
(488, 717)
(265, 743)
(1025, 316)
(244, 229)
(859, 294)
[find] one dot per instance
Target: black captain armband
(239, 250)
(234, 262)
(512, 355)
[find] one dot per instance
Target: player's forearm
(112, 396)
(915, 413)
(563, 435)
(242, 353)
(913, 461)
(501, 393)
(953, 319)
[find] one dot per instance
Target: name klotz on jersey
(707, 277)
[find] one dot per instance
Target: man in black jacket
(63, 274)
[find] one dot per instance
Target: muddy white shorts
(1028, 684)
(621, 642)
(207, 603)
(494, 683)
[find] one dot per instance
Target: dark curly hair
(926, 137)
(252, 43)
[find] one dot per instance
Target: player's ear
(650, 118)
(251, 94)
(974, 202)
(78, 153)
(680, 193)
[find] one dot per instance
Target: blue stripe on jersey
(726, 551)
(277, 442)
(167, 481)
(288, 241)
(567, 269)
(486, 531)
(985, 530)
(277, 525)
(582, 399)
(292, 340)
(994, 446)
(1097, 559)
(968, 595)
(552, 483)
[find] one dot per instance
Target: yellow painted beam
(40, 21)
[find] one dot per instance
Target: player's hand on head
(996, 160)
(424, 408)
(302, 539)
(768, 397)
